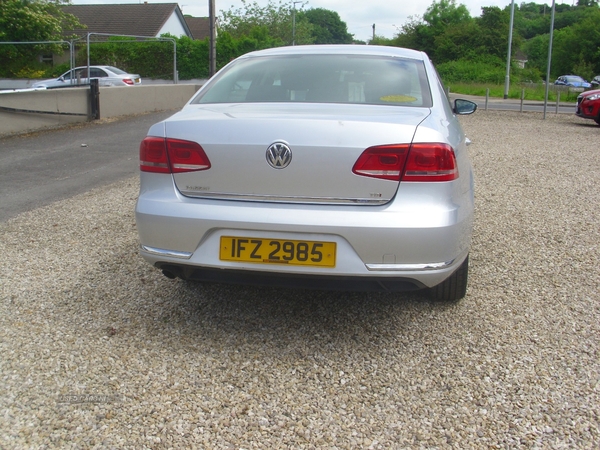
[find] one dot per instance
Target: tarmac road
(40, 168)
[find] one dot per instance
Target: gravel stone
(99, 350)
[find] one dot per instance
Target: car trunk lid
(301, 153)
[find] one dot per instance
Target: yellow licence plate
(277, 251)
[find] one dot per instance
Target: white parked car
(106, 75)
(313, 166)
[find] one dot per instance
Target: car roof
(85, 67)
(372, 50)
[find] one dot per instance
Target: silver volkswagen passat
(332, 167)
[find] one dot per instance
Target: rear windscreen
(321, 79)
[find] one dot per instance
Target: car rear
(120, 77)
(354, 186)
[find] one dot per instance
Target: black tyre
(453, 288)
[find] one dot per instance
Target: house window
(47, 59)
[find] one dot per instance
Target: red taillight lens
(430, 162)
(385, 162)
(186, 156)
(417, 162)
(160, 155)
(153, 155)
(128, 81)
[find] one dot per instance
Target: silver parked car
(106, 75)
(313, 166)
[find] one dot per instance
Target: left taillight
(165, 155)
(128, 81)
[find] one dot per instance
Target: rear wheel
(453, 288)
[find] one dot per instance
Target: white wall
(173, 26)
(114, 102)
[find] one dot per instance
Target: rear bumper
(299, 281)
(403, 245)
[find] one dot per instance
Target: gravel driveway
(97, 349)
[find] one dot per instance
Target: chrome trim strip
(166, 253)
(409, 267)
(284, 199)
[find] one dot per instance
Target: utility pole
(294, 23)
(373, 32)
(212, 53)
(549, 58)
(510, 32)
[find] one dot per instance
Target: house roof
(145, 19)
(199, 26)
(520, 55)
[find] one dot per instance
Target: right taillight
(402, 162)
(166, 155)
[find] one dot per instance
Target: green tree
(576, 39)
(276, 18)
(443, 13)
(459, 42)
(576, 48)
(423, 34)
(30, 20)
(378, 40)
(229, 47)
(536, 50)
(494, 24)
(327, 27)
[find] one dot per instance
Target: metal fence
(88, 41)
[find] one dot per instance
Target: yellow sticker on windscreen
(398, 98)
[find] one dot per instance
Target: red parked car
(588, 105)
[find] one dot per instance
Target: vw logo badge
(279, 155)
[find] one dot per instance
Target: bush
(56, 71)
(28, 72)
(467, 71)
(527, 75)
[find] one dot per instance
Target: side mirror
(61, 78)
(464, 107)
